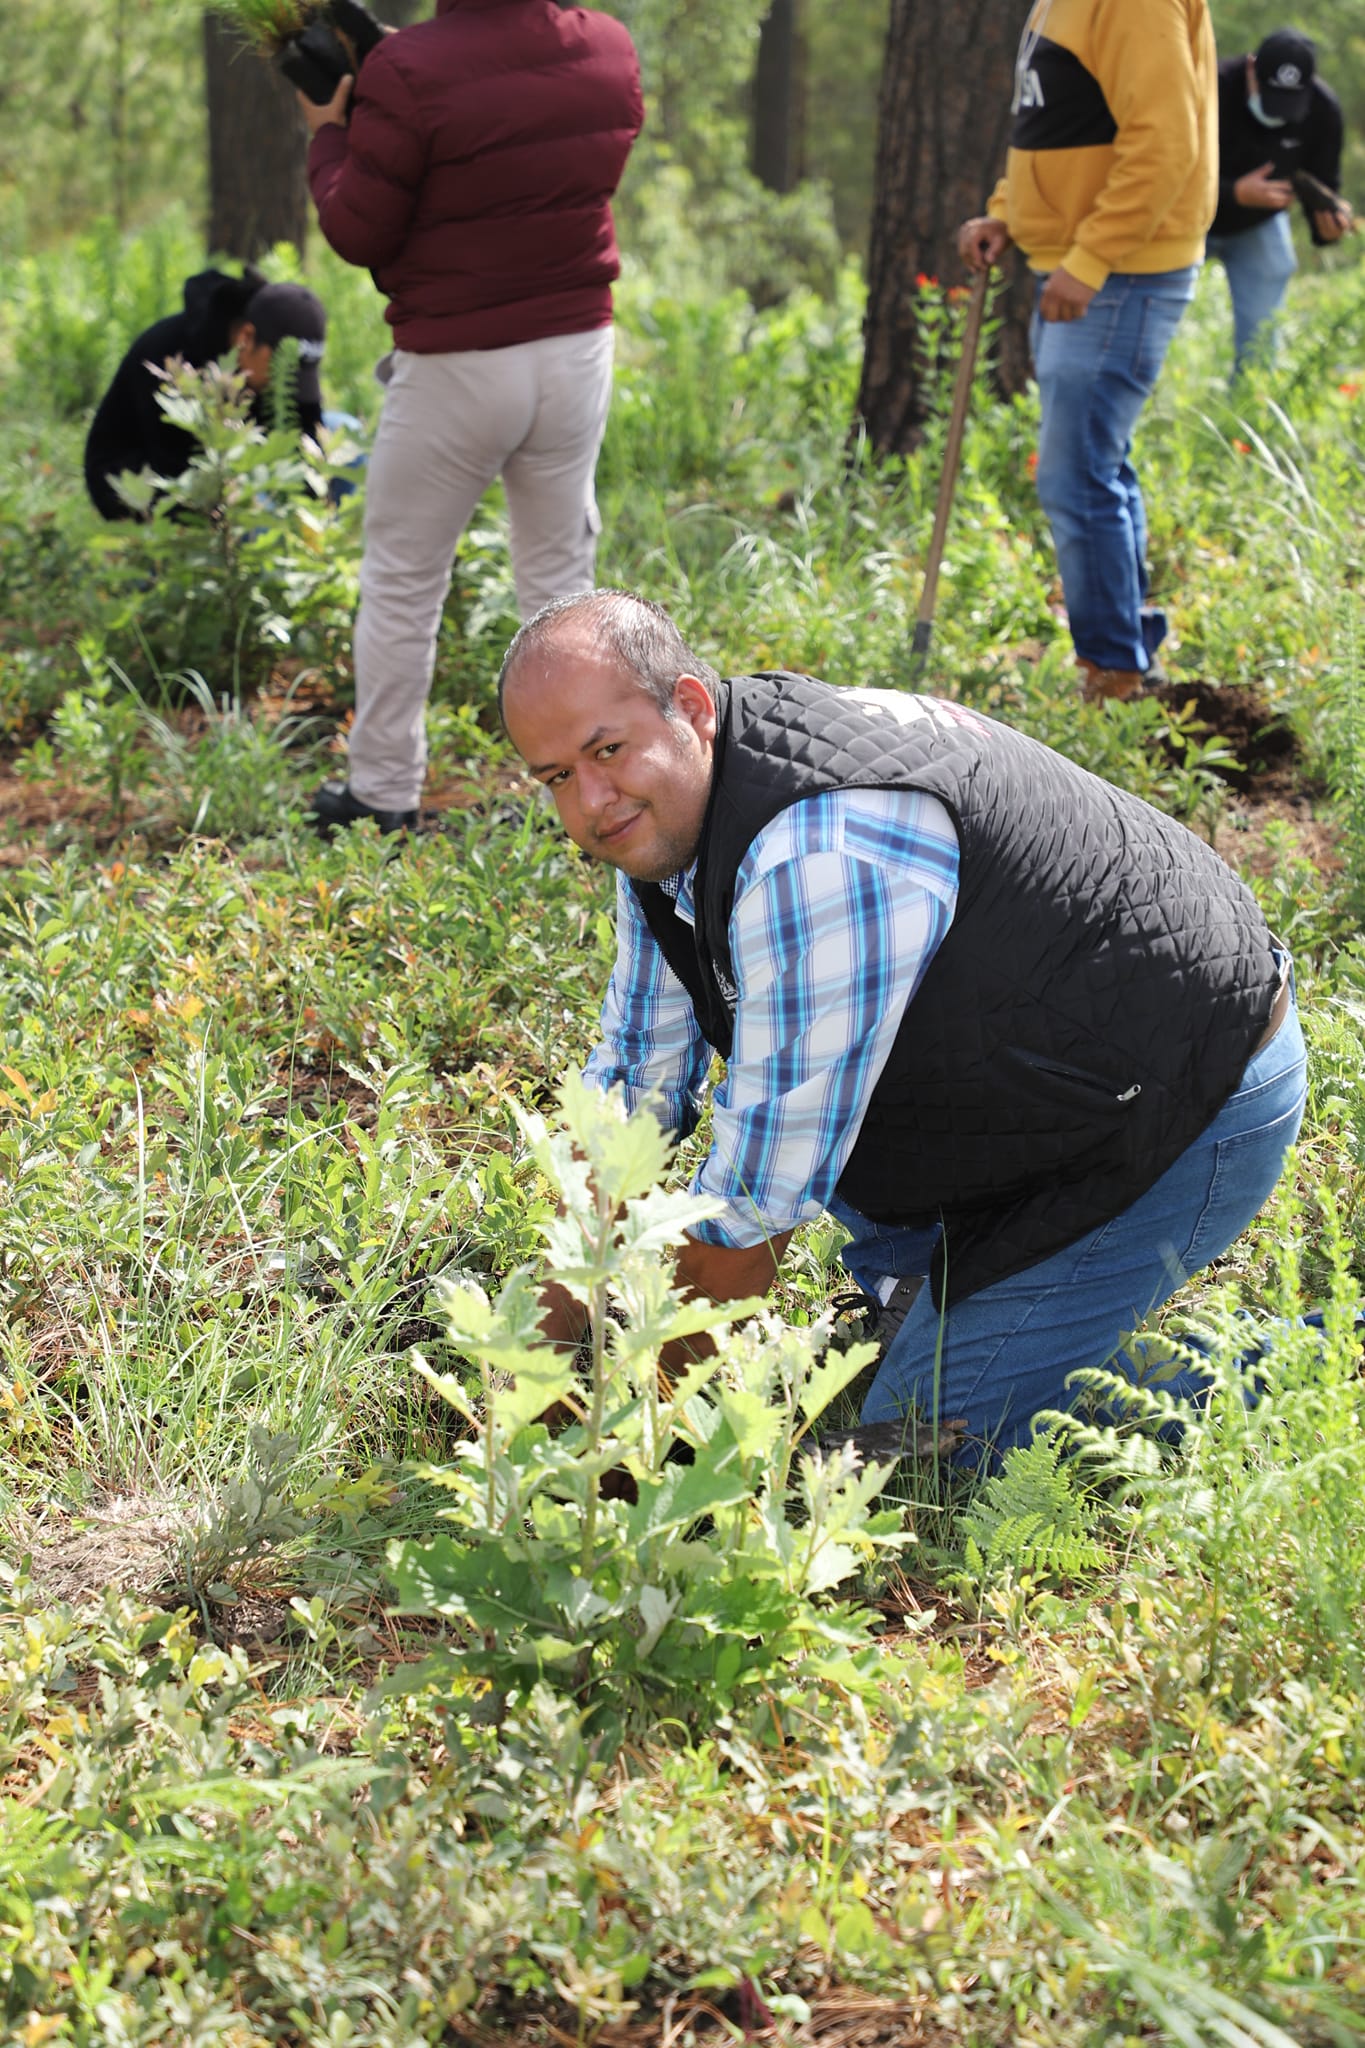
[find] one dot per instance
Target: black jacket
(1093, 1005)
(1244, 144)
(129, 429)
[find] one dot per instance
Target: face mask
(1266, 120)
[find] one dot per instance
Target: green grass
(1098, 1778)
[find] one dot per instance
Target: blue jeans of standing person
(1259, 264)
(1094, 377)
(1008, 1351)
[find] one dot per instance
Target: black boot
(332, 806)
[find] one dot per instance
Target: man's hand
(711, 1272)
(1331, 226)
(982, 242)
(1259, 188)
(333, 115)
(1065, 297)
(720, 1272)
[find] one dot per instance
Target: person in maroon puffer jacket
(470, 165)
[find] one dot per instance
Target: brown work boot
(1099, 683)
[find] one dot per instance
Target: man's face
(254, 357)
(630, 785)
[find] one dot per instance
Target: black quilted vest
(1093, 1005)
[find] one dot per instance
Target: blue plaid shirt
(840, 905)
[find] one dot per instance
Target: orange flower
(925, 284)
(1348, 390)
(1242, 447)
(1033, 463)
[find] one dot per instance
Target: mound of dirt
(1266, 755)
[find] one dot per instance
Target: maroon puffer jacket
(475, 177)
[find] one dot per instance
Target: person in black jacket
(130, 431)
(1280, 132)
(1013, 1028)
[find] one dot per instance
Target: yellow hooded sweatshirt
(1113, 163)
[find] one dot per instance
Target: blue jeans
(1094, 377)
(346, 422)
(1259, 264)
(1006, 1352)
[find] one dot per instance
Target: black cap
(291, 309)
(1285, 64)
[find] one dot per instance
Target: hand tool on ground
(952, 458)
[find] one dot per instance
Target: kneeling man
(1017, 1030)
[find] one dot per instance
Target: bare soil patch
(130, 1544)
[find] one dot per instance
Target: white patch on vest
(1031, 90)
(908, 710)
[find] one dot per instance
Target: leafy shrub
(242, 558)
(72, 312)
(703, 1585)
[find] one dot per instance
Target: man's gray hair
(632, 631)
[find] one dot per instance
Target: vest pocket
(1077, 1088)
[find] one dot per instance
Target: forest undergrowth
(339, 1702)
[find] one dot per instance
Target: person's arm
(1145, 68)
(651, 1048)
(983, 240)
(365, 172)
(1262, 189)
(839, 908)
(650, 1045)
(1322, 161)
(836, 919)
(841, 905)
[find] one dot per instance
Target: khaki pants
(534, 414)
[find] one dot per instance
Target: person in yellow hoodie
(1109, 189)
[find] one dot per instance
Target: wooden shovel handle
(952, 457)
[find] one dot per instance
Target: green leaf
(729, 1661)
(542, 1378)
(753, 1424)
(687, 1492)
(482, 1584)
(657, 1609)
(829, 1379)
(448, 1387)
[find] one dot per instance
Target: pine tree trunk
(943, 131)
(777, 142)
(258, 189)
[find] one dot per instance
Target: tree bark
(258, 189)
(943, 132)
(778, 134)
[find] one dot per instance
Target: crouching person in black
(131, 432)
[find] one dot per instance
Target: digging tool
(1316, 196)
(947, 483)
